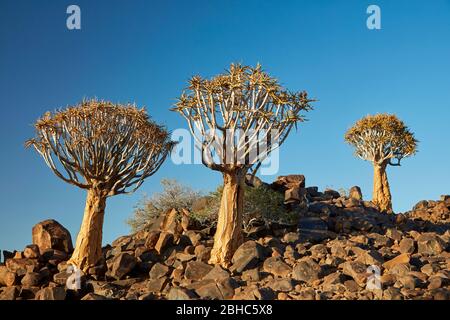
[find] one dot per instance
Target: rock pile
(342, 248)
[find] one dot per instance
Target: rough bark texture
(229, 235)
(88, 248)
(381, 193)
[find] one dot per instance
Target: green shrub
(260, 204)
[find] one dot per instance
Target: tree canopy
(381, 138)
(241, 106)
(102, 145)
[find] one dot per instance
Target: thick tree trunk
(229, 235)
(88, 248)
(381, 193)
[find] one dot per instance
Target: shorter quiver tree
(384, 140)
(105, 148)
(234, 116)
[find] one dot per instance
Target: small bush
(260, 204)
(174, 195)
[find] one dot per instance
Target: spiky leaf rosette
(244, 103)
(380, 138)
(99, 144)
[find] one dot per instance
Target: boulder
(332, 281)
(407, 245)
(157, 285)
(51, 293)
(209, 290)
(9, 293)
(281, 285)
(247, 256)
(277, 267)
(7, 278)
(31, 251)
(401, 258)
(355, 193)
(283, 183)
(217, 274)
(177, 293)
(164, 241)
(333, 194)
(294, 194)
(196, 270)
(50, 234)
(22, 266)
(369, 257)
(158, 271)
(93, 296)
(217, 290)
(170, 222)
(394, 234)
(122, 265)
(31, 279)
(421, 205)
(307, 270)
(429, 244)
(356, 270)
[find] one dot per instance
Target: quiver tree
(106, 149)
(237, 119)
(384, 140)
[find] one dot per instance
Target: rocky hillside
(335, 251)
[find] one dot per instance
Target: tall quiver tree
(384, 140)
(105, 148)
(231, 116)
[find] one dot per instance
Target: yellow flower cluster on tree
(384, 140)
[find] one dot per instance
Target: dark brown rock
(93, 296)
(122, 265)
(282, 183)
(31, 279)
(356, 270)
(164, 241)
(277, 267)
(177, 293)
(158, 271)
(31, 251)
(429, 244)
(51, 293)
(196, 270)
(247, 256)
(156, 285)
(7, 278)
(407, 245)
(217, 274)
(50, 234)
(281, 285)
(9, 293)
(355, 193)
(22, 266)
(307, 270)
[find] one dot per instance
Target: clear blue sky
(144, 51)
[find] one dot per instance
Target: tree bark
(88, 248)
(381, 192)
(229, 235)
